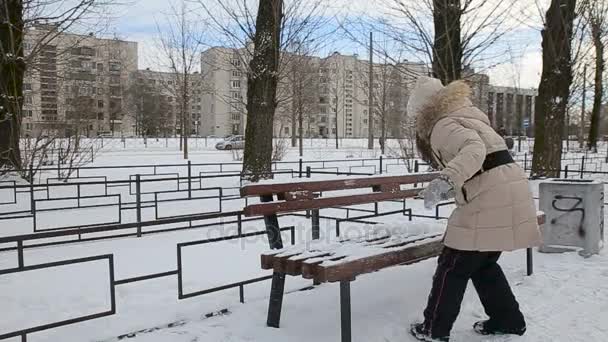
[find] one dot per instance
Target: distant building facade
(224, 111)
(512, 109)
(76, 84)
(335, 95)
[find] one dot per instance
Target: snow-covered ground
(565, 300)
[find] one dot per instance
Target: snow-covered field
(565, 300)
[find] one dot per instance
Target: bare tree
(150, 109)
(554, 88)
(596, 13)
(296, 22)
(17, 17)
(262, 90)
(303, 81)
(450, 35)
(181, 40)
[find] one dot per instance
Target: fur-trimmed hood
(449, 101)
(452, 100)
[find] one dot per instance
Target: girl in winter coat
(495, 209)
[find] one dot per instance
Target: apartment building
(512, 109)
(75, 84)
(332, 94)
(156, 100)
(224, 111)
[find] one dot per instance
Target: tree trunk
(554, 88)
(12, 70)
(596, 33)
(301, 131)
(294, 105)
(261, 91)
(447, 47)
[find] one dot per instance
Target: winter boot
(490, 328)
(421, 334)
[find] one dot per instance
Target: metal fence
(135, 196)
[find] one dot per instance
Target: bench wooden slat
(338, 261)
(332, 185)
(265, 209)
(350, 270)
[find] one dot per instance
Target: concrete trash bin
(575, 215)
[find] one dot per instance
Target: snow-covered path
(565, 300)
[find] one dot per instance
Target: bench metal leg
(276, 300)
(529, 261)
(278, 279)
(345, 310)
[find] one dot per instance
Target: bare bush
(74, 152)
(279, 149)
(407, 145)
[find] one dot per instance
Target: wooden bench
(344, 259)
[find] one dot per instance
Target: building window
(99, 103)
(236, 62)
(114, 66)
(236, 73)
(28, 99)
(27, 86)
(365, 121)
(236, 84)
(99, 116)
(286, 130)
(100, 67)
(169, 99)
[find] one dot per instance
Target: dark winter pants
(454, 270)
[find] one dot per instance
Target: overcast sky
(138, 21)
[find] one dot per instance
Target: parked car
(234, 142)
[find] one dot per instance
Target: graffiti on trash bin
(567, 211)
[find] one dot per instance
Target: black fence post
(59, 165)
(566, 172)
(525, 161)
(300, 167)
(529, 261)
(32, 202)
(380, 164)
(308, 172)
(582, 167)
(20, 261)
(138, 202)
(93, 153)
(189, 179)
(416, 169)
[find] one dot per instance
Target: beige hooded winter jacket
(495, 210)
